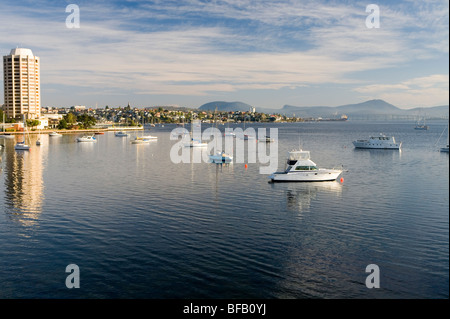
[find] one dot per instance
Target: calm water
(140, 226)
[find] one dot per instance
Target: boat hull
(367, 145)
(311, 176)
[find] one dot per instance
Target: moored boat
(221, 157)
(121, 134)
(87, 138)
(300, 168)
(378, 142)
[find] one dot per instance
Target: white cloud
(430, 90)
(113, 50)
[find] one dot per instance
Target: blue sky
(264, 53)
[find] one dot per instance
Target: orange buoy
(342, 179)
(246, 166)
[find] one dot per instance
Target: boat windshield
(298, 155)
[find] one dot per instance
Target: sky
(263, 53)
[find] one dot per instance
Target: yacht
(300, 168)
(87, 138)
(54, 134)
(221, 157)
(380, 142)
(121, 134)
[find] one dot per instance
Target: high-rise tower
(21, 78)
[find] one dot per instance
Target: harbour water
(140, 226)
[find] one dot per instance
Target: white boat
(421, 127)
(221, 157)
(300, 168)
(140, 140)
(55, 134)
(196, 143)
(379, 142)
(149, 137)
(87, 138)
(121, 134)
(21, 146)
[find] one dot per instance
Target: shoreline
(75, 131)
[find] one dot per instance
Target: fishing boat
(300, 168)
(22, 146)
(420, 125)
(87, 138)
(378, 142)
(221, 157)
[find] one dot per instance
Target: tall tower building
(21, 78)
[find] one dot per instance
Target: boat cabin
(300, 161)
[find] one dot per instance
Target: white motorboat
(300, 168)
(379, 142)
(54, 134)
(121, 134)
(87, 138)
(221, 157)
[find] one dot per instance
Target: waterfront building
(21, 80)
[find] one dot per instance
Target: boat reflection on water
(24, 185)
(300, 196)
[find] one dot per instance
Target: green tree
(62, 125)
(86, 121)
(33, 123)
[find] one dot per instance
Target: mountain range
(371, 108)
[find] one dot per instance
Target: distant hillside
(368, 108)
(225, 106)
